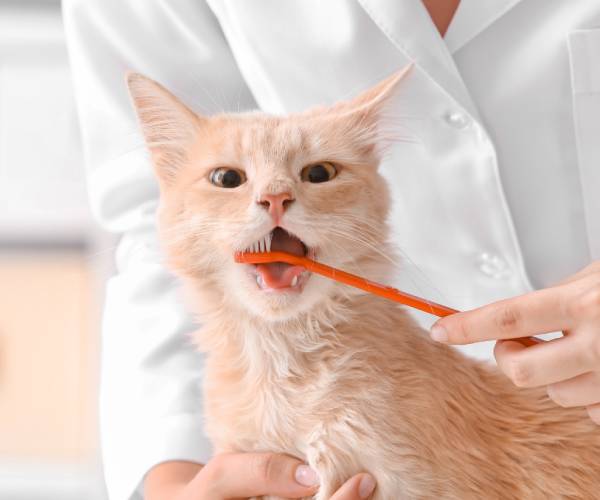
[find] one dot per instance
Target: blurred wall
(53, 263)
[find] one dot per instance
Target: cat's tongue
(278, 274)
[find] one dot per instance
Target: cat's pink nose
(276, 204)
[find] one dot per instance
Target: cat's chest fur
(271, 403)
(375, 394)
(329, 396)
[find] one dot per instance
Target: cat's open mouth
(279, 276)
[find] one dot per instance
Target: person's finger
(537, 312)
(358, 487)
(543, 364)
(244, 475)
(583, 390)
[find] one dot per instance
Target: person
(496, 199)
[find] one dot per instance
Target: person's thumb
(243, 475)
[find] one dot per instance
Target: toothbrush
(264, 256)
(344, 277)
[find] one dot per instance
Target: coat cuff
(176, 437)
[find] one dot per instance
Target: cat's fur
(344, 380)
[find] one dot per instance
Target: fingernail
(366, 486)
(439, 333)
(306, 476)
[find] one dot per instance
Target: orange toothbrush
(343, 277)
(356, 281)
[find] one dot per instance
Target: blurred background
(53, 264)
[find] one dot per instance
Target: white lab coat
(499, 194)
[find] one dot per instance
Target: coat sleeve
(150, 393)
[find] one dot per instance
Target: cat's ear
(369, 120)
(372, 101)
(168, 126)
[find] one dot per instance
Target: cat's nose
(276, 204)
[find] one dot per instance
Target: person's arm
(169, 479)
(151, 401)
(240, 475)
(568, 366)
(245, 475)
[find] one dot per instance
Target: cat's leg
(333, 461)
(335, 465)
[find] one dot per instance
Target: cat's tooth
(294, 281)
(260, 281)
(268, 239)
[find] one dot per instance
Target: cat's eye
(319, 172)
(227, 177)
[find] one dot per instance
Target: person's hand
(570, 365)
(244, 475)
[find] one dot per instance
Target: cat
(302, 365)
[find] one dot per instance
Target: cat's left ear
(368, 120)
(372, 101)
(169, 127)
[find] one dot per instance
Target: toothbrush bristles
(261, 246)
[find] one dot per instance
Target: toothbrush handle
(349, 279)
(387, 292)
(391, 293)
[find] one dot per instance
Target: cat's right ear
(168, 126)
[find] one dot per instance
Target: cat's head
(306, 183)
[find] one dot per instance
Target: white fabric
(499, 194)
(471, 18)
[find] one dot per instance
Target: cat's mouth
(279, 276)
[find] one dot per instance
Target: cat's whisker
(374, 246)
(351, 231)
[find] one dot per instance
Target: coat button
(492, 265)
(457, 119)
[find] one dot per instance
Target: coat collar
(472, 17)
(408, 26)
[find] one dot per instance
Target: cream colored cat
(302, 365)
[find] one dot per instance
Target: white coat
(500, 193)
